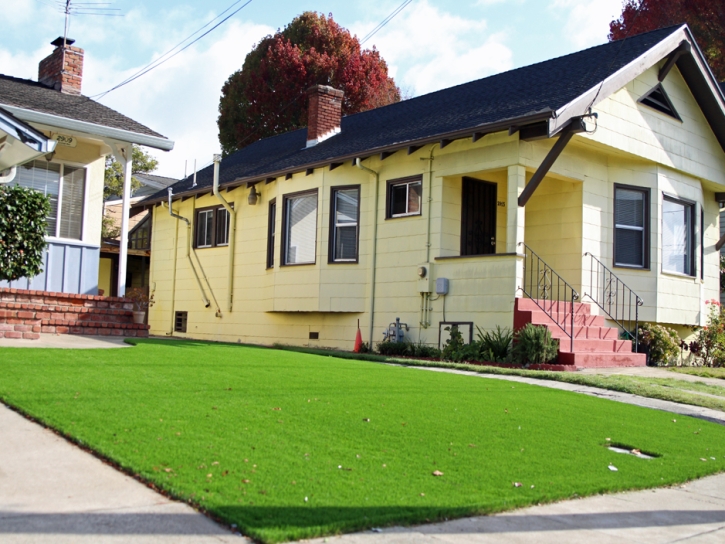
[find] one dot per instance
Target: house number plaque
(67, 141)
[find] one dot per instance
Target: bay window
(299, 231)
(344, 228)
(678, 234)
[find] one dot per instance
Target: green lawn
(290, 445)
(703, 372)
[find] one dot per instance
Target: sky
(430, 45)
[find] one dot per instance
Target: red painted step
(25, 314)
(595, 344)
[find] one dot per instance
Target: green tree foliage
(706, 18)
(268, 95)
(142, 163)
(23, 214)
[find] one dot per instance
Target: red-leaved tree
(268, 95)
(706, 18)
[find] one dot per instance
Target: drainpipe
(173, 280)
(232, 229)
(425, 297)
(188, 249)
(375, 246)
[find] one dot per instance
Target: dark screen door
(478, 217)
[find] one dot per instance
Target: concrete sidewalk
(66, 341)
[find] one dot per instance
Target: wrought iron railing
(615, 298)
(549, 291)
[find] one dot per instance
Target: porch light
(253, 195)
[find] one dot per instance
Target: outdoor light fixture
(253, 195)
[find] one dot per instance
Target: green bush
(454, 345)
(534, 345)
(393, 348)
(424, 350)
(23, 215)
(709, 346)
(663, 343)
(495, 346)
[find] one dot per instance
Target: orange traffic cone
(358, 339)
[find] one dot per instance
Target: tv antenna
(69, 7)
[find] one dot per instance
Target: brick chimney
(324, 113)
(63, 68)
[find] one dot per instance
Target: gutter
(92, 129)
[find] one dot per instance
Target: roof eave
(436, 139)
(92, 129)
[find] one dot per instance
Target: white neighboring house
(73, 135)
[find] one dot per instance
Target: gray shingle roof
(517, 94)
(31, 95)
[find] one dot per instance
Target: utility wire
(385, 21)
(171, 53)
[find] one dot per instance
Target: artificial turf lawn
(247, 433)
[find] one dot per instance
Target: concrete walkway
(54, 492)
(66, 341)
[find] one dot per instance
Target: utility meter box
(425, 273)
(442, 286)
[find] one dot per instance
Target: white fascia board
(621, 77)
(92, 129)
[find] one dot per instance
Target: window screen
(300, 229)
(71, 209)
(630, 227)
(271, 228)
(346, 204)
(404, 197)
(204, 228)
(677, 225)
(222, 227)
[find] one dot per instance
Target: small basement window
(180, 319)
(657, 99)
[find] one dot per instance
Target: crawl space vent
(180, 321)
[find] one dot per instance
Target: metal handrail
(549, 286)
(614, 297)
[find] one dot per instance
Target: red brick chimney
(324, 113)
(63, 68)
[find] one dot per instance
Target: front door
(478, 217)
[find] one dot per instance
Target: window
(271, 227)
(344, 218)
(631, 226)
(657, 98)
(702, 243)
(299, 219)
(140, 236)
(65, 186)
(405, 197)
(677, 236)
(212, 227)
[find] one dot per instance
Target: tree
(23, 214)
(706, 19)
(141, 163)
(268, 95)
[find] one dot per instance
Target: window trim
(702, 242)
(692, 234)
(55, 237)
(647, 226)
(215, 210)
(271, 231)
(283, 245)
(331, 238)
(388, 201)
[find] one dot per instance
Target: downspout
(375, 246)
(232, 230)
(425, 297)
(188, 249)
(173, 281)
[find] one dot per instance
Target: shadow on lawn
(309, 520)
(187, 343)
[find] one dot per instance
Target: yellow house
(588, 181)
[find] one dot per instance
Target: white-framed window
(631, 226)
(678, 235)
(299, 222)
(211, 227)
(65, 185)
(344, 219)
(405, 197)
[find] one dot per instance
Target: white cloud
(428, 49)
(587, 21)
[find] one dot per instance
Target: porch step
(26, 313)
(595, 344)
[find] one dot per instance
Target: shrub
(23, 215)
(454, 345)
(424, 350)
(709, 345)
(534, 345)
(495, 346)
(663, 343)
(393, 348)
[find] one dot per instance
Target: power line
(171, 53)
(385, 21)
